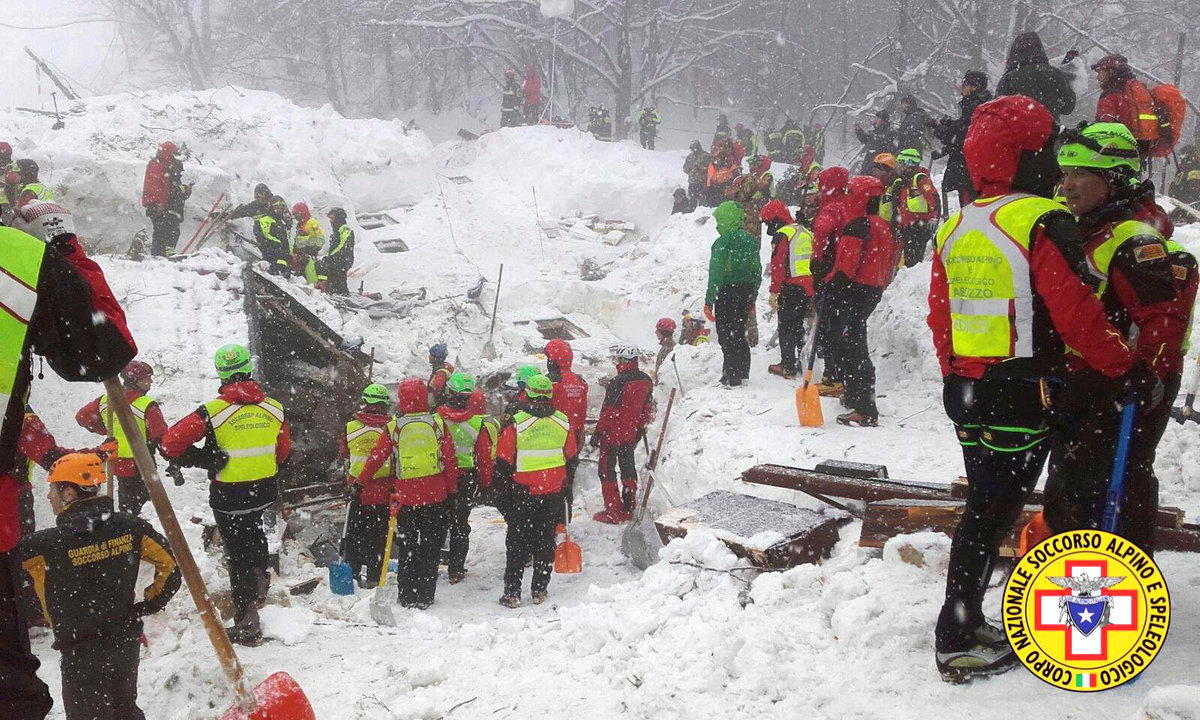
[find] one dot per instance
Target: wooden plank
(1167, 517)
(836, 486)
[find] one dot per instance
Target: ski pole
(1116, 487)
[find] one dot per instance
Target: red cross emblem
(1047, 614)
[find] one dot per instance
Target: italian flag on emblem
(1085, 680)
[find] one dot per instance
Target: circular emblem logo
(1086, 610)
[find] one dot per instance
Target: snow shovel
(1116, 486)
(276, 698)
(568, 558)
(633, 539)
(808, 400)
(381, 605)
(341, 575)
(489, 348)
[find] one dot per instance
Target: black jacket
(83, 572)
(911, 132)
(1029, 72)
(952, 133)
(876, 140)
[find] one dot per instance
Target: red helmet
(136, 371)
(167, 149)
(300, 212)
(413, 396)
(560, 353)
(866, 185)
(477, 404)
(1110, 62)
(664, 325)
(510, 73)
(776, 211)
(5, 151)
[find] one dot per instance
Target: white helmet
(625, 352)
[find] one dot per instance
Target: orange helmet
(886, 159)
(83, 469)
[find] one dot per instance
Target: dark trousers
(245, 552)
(1002, 428)
(731, 310)
(647, 138)
(533, 113)
(99, 681)
(131, 494)
(366, 534)
(531, 523)
(460, 519)
(794, 302)
(1082, 456)
(915, 238)
(612, 456)
(336, 283)
(696, 191)
(164, 234)
(418, 547)
(510, 117)
(848, 333)
(23, 696)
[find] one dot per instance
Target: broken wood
(1167, 517)
(839, 486)
(800, 535)
(60, 83)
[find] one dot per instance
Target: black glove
(175, 473)
(1145, 386)
(212, 459)
(595, 440)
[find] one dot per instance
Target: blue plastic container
(341, 578)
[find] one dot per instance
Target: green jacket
(734, 257)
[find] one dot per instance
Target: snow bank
(236, 138)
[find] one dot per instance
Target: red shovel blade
(278, 698)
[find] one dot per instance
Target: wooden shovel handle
(179, 546)
(662, 433)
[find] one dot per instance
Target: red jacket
(89, 419)
(831, 218)
(1119, 102)
(156, 187)
(374, 491)
(781, 268)
(437, 383)
(539, 482)
(532, 87)
(628, 406)
(571, 399)
(926, 189)
(37, 444)
(866, 253)
(414, 492)
(483, 443)
(194, 427)
(1146, 209)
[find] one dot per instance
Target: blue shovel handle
(1116, 486)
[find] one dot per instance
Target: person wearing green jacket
(734, 275)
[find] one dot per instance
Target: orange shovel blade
(278, 698)
(1035, 531)
(808, 403)
(568, 558)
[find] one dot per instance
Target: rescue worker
(695, 165)
(794, 141)
(951, 133)
(532, 455)
(723, 131)
(96, 417)
(30, 187)
(746, 138)
(600, 123)
(681, 203)
(247, 439)
(62, 309)
(734, 276)
(1185, 186)
(913, 130)
(8, 188)
(37, 446)
(1124, 99)
(664, 330)
(864, 261)
(440, 372)
(627, 409)
(648, 121)
(773, 144)
(256, 207)
(84, 575)
(791, 288)
(570, 398)
(333, 268)
(310, 238)
(422, 449)
(753, 190)
(885, 172)
(272, 236)
(1131, 264)
(478, 406)
(880, 139)
(827, 227)
(367, 518)
(531, 89)
(917, 207)
(473, 446)
(996, 354)
(163, 196)
(510, 103)
(516, 401)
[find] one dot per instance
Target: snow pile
(236, 138)
(557, 8)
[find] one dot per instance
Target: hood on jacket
(1005, 134)
(478, 403)
(530, 72)
(242, 392)
(627, 366)
(859, 194)
(301, 212)
(167, 150)
(456, 415)
(85, 515)
(1027, 49)
(372, 419)
(412, 396)
(832, 183)
(728, 216)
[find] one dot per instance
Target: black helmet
(262, 189)
(28, 169)
(337, 217)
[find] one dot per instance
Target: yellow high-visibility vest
(20, 269)
(540, 441)
(360, 441)
(247, 434)
(115, 431)
(418, 442)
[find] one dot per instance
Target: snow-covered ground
(694, 636)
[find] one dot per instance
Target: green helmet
(461, 382)
(539, 386)
(1099, 146)
(909, 156)
(525, 372)
(375, 393)
(232, 360)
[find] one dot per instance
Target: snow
(698, 635)
(556, 8)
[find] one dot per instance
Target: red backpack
(1171, 110)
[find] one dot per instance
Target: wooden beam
(61, 84)
(1166, 517)
(837, 486)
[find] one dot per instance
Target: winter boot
(781, 371)
(988, 654)
(831, 389)
(457, 576)
(613, 512)
(611, 517)
(510, 601)
(247, 628)
(854, 417)
(628, 495)
(539, 596)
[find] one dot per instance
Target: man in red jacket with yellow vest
(997, 350)
(367, 520)
(571, 399)
(422, 449)
(473, 443)
(791, 282)
(532, 456)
